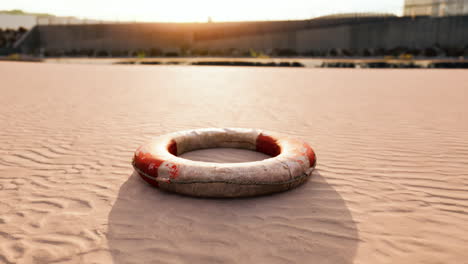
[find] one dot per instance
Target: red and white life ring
(158, 163)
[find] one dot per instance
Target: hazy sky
(200, 10)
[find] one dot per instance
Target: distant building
(356, 15)
(436, 8)
(55, 20)
(16, 21)
(17, 18)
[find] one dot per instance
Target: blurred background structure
(16, 18)
(435, 8)
(429, 28)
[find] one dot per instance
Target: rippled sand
(224, 155)
(391, 185)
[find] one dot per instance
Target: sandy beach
(391, 184)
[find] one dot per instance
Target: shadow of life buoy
(310, 224)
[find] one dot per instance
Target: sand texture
(391, 184)
(224, 155)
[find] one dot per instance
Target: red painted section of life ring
(150, 164)
(172, 148)
(311, 155)
(267, 145)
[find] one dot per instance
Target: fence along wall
(301, 36)
(113, 37)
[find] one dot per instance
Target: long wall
(113, 36)
(301, 36)
(403, 32)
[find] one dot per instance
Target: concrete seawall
(316, 35)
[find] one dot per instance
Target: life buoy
(158, 163)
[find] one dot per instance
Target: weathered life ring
(158, 163)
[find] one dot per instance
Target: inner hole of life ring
(266, 148)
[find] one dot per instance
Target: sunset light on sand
(233, 132)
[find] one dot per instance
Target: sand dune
(390, 186)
